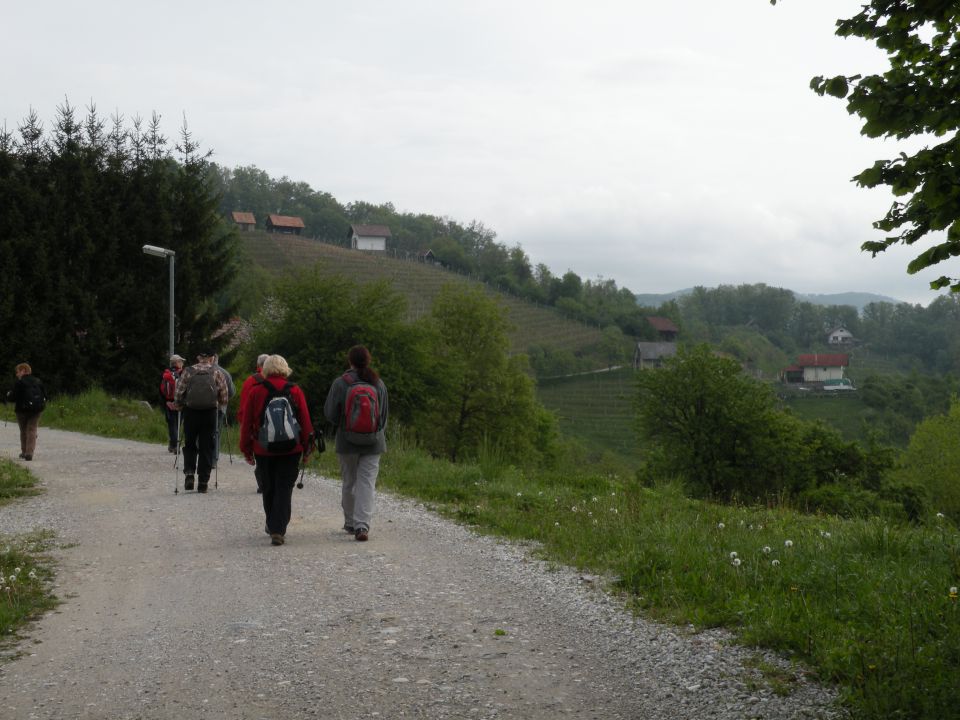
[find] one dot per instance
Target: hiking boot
(188, 482)
(172, 448)
(202, 486)
(28, 457)
(276, 539)
(349, 529)
(361, 534)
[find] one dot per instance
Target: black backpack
(201, 392)
(32, 398)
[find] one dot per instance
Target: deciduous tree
(915, 98)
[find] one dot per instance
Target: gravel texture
(177, 606)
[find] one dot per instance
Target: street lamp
(164, 252)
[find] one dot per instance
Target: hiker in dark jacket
(29, 399)
(168, 391)
(359, 455)
(244, 389)
(278, 469)
(200, 392)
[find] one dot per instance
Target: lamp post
(164, 252)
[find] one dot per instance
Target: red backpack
(361, 411)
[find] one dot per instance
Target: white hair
(276, 365)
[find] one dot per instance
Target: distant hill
(859, 300)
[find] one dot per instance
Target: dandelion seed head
(736, 562)
(17, 570)
(788, 543)
(766, 549)
(32, 575)
(720, 526)
(953, 590)
(940, 515)
(733, 555)
(519, 494)
(556, 524)
(775, 562)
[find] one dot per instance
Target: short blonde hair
(276, 365)
(24, 368)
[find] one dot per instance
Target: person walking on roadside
(358, 407)
(222, 415)
(29, 399)
(275, 432)
(168, 390)
(200, 392)
(244, 389)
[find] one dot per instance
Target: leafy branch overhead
(915, 97)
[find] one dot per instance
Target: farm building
(369, 237)
(286, 224)
(652, 354)
(244, 220)
(665, 328)
(840, 336)
(816, 368)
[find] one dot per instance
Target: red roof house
(288, 224)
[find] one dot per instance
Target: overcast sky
(659, 144)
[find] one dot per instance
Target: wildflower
(788, 543)
(766, 549)
(594, 499)
(736, 562)
(8, 588)
(540, 493)
(750, 526)
(17, 570)
(939, 515)
(614, 511)
(775, 562)
(573, 509)
(519, 494)
(824, 534)
(953, 593)
(32, 575)
(759, 527)
(733, 555)
(589, 514)
(720, 526)
(12, 578)
(556, 524)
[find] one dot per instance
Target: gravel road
(177, 606)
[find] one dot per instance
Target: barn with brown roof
(369, 237)
(287, 224)
(244, 220)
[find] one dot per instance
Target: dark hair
(359, 358)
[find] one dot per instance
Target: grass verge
(25, 568)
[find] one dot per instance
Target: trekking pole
(176, 458)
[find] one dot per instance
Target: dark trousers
(278, 473)
(29, 423)
(199, 442)
(173, 426)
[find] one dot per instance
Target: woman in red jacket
(264, 443)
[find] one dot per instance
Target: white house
(819, 367)
(840, 336)
(369, 237)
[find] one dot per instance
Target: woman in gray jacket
(357, 405)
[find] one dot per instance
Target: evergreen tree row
(79, 300)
